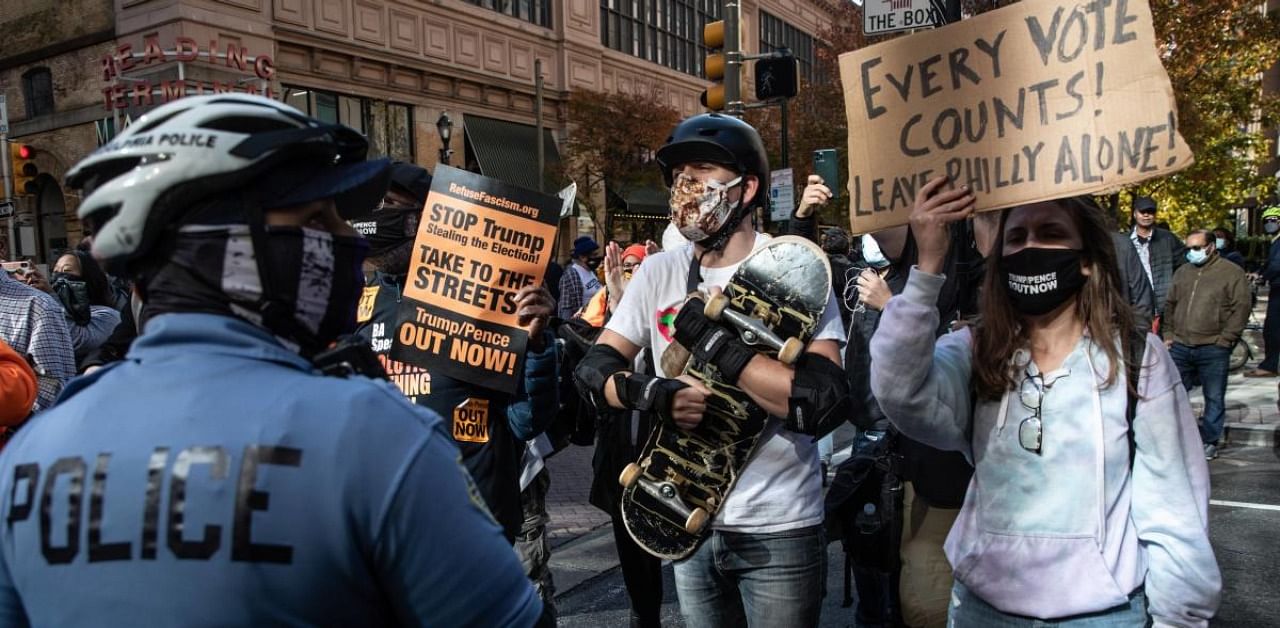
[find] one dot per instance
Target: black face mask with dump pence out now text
(1039, 280)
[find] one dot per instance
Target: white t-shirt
(780, 488)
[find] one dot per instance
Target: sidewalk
(581, 538)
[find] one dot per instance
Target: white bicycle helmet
(143, 182)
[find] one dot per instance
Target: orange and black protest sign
(479, 242)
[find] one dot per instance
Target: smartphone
(826, 164)
(17, 268)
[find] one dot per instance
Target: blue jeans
(1208, 365)
(969, 611)
(755, 580)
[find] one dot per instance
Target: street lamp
(444, 126)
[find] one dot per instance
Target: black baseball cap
(1144, 205)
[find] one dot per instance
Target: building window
(666, 32)
(776, 34)
(37, 92)
(388, 126)
(532, 11)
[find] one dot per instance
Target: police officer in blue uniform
(217, 476)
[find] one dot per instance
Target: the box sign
(890, 16)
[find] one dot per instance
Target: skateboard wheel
(790, 351)
(715, 307)
(630, 474)
(696, 522)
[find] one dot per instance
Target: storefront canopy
(509, 151)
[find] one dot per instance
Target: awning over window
(509, 151)
(648, 202)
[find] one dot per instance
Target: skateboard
(774, 302)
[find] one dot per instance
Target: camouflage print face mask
(700, 208)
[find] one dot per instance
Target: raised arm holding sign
(1039, 100)
(481, 247)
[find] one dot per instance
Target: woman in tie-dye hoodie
(1068, 517)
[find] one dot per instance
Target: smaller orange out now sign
(471, 421)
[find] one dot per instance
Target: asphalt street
(1244, 521)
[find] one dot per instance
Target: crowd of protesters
(1030, 456)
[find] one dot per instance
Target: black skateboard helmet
(719, 139)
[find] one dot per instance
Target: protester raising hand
(931, 218)
(613, 268)
(815, 195)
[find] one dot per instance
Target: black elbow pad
(819, 400)
(595, 368)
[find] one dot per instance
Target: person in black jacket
(1160, 251)
(1270, 365)
(1225, 243)
(492, 456)
(929, 482)
(1136, 284)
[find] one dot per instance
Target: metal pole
(786, 144)
(537, 114)
(732, 60)
(9, 195)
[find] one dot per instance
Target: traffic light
(24, 169)
(713, 39)
(776, 77)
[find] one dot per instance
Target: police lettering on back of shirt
(54, 500)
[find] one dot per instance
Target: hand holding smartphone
(826, 164)
(17, 269)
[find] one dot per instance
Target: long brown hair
(1101, 305)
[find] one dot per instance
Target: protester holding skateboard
(763, 562)
(1089, 499)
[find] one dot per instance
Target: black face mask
(315, 279)
(594, 263)
(1039, 280)
(388, 229)
(311, 281)
(74, 295)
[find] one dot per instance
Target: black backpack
(575, 422)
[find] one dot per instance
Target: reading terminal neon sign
(146, 93)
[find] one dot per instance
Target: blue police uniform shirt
(214, 478)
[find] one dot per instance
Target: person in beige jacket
(1206, 310)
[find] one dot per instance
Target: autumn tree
(1215, 54)
(612, 144)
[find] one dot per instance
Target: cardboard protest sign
(1038, 100)
(479, 242)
